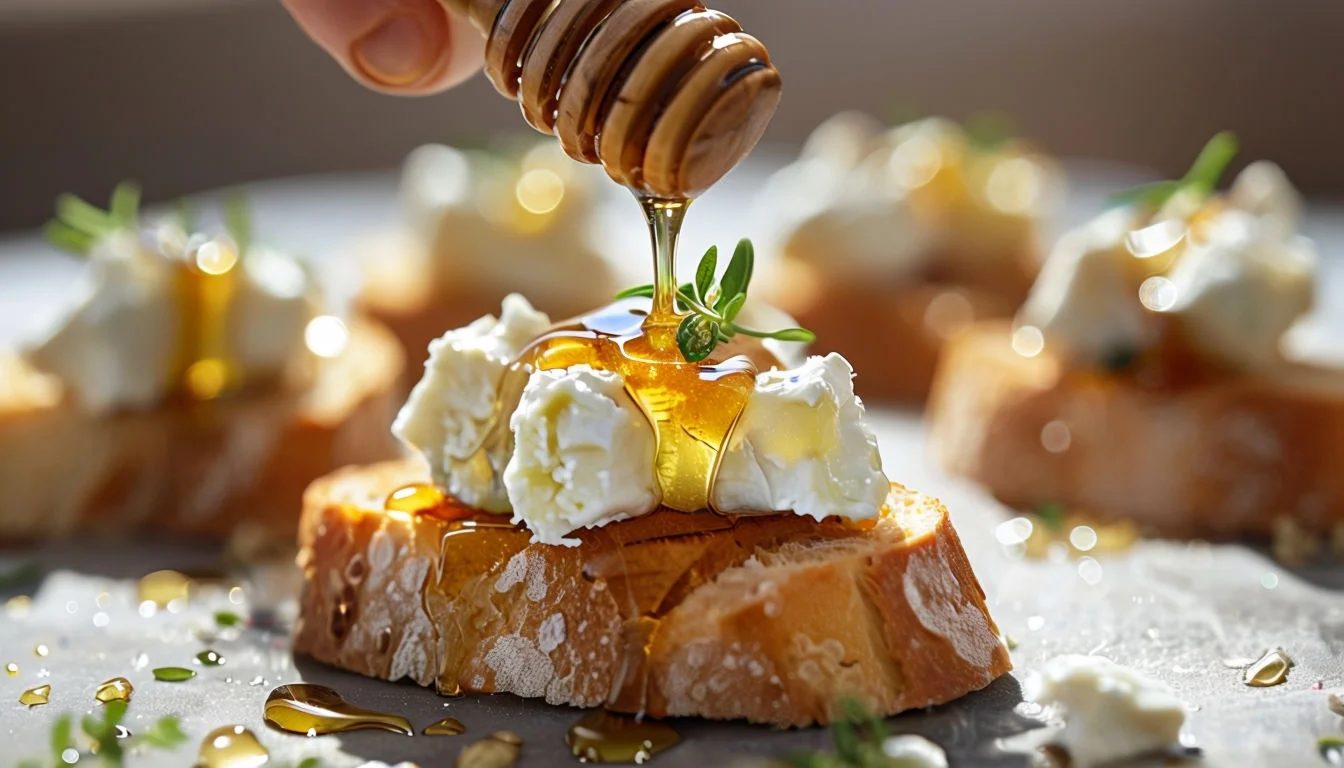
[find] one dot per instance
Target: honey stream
(315, 710)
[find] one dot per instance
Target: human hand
(408, 47)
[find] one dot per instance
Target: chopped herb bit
(1051, 515)
(164, 734)
(714, 310)
(858, 735)
(173, 674)
(78, 224)
(1201, 180)
(1331, 749)
(210, 659)
(227, 619)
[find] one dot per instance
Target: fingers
(396, 46)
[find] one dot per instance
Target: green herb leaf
(62, 731)
(737, 276)
(19, 575)
(124, 209)
(238, 220)
(66, 237)
(227, 619)
(173, 674)
(1212, 163)
(1051, 515)
(1202, 178)
(696, 337)
(734, 306)
(704, 274)
(990, 131)
(310, 762)
(164, 734)
(210, 659)
(82, 215)
(639, 291)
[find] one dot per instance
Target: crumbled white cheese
(842, 205)
(911, 751)
(1240, 288)
(1083, 302)
(802, 446)
(1110, 712)
(117, 345)
(452, 407)
(583, 454)
(467, 211)
(1263, 189)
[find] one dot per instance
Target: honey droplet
(1269, 670)
(116, 689)
(12, 669)
(35, 697)
(210, 659)
(231, 746)
(414, 499)
(501, 750)
(606, 737)
(316, 710)
(173, 674)
(448, 726)
(163, 587)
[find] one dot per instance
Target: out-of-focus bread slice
(770, 619)
(892, 332)
(196, 470)
(1220, 458)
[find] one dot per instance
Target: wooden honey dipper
(667, 95)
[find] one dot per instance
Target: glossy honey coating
(667, 95)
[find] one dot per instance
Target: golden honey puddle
(231, 746)
(315, 710)
(116, 689)
(448, 726)
(163, 587)
(35, 697)
(1269, 670)
(605, 737)
(500, 750)
(1051, 529)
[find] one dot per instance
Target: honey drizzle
(203, 368)
(315, 710)
(606, 737)
(231, 746)
(116, 689)
(35, 697)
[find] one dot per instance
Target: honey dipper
(667, 95)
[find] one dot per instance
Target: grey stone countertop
(1176, 611)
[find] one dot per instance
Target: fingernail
(399, 51)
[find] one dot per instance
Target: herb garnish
(79, 224)
(714, 308)
(108, 737)
(859, 736)
(1201, 180)
(238, 220)
(227, 619)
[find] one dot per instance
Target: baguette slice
(894, 333)
(769, 619)
(193, 470)
(1220, 458)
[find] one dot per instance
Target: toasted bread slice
(770, 619)
(1219, 458)
(894, 333)
(189, 469)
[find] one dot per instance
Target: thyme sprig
(713, 308)
(1201, 180)
(858, 735)
(78, 224)
(165, 733)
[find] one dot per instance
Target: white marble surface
(1173, 610)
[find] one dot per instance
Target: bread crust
(1218, 458)
(769, 619)
(190, 470)
(894, 332)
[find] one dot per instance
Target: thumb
(408, 47)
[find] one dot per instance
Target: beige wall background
(196, 94)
